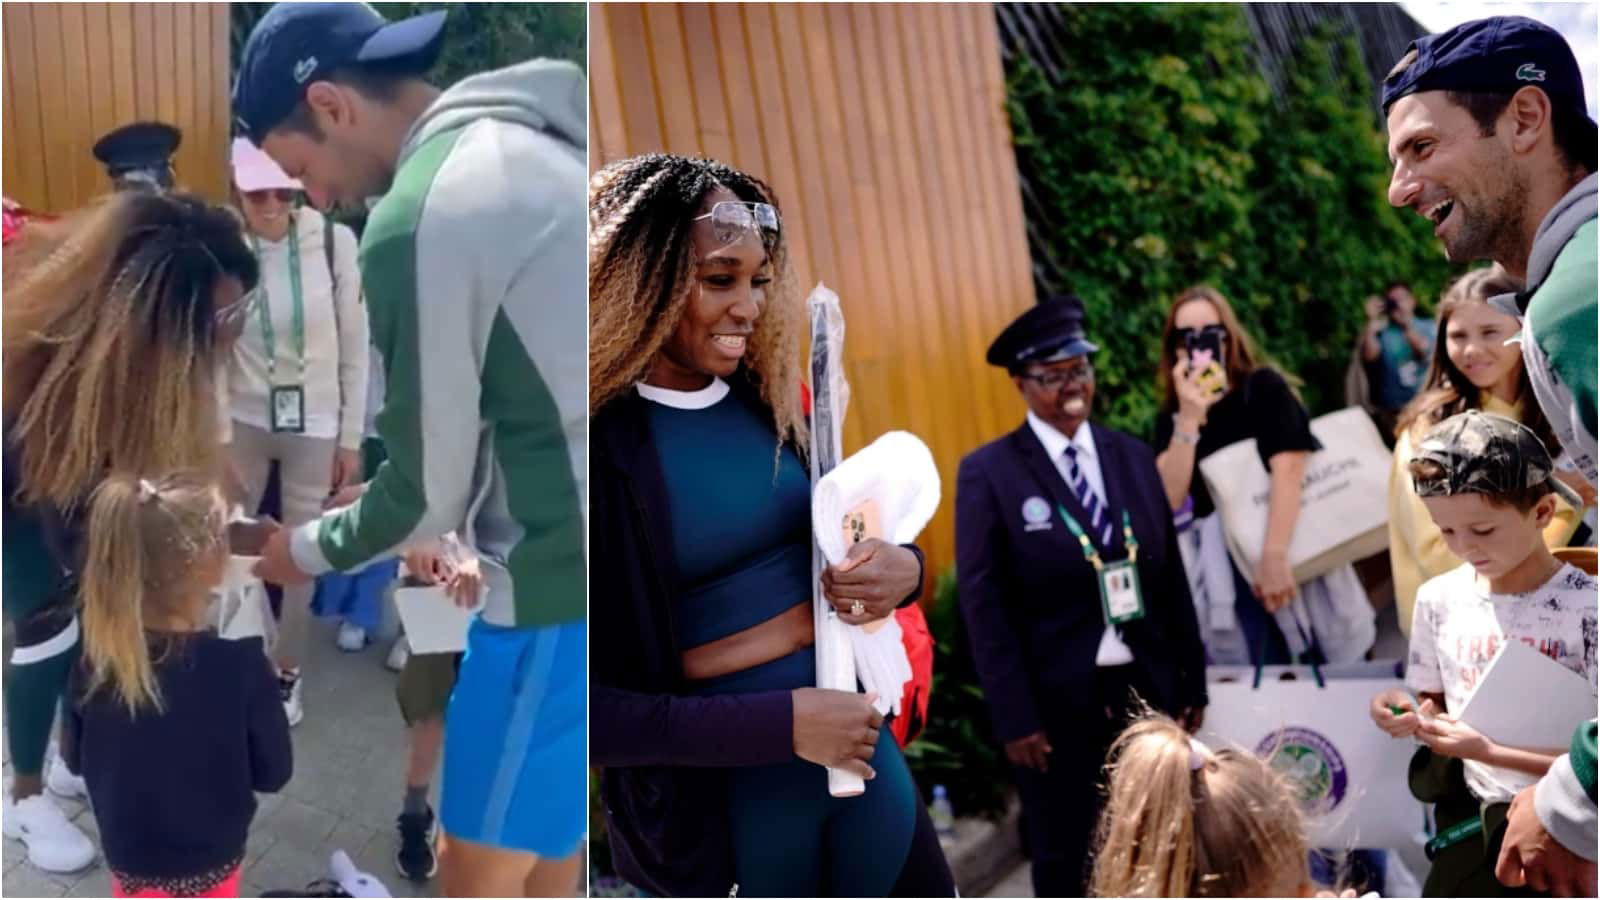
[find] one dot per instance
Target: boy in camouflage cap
(1479, 453)
(1489, 484)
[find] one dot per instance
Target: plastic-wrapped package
(836, 668)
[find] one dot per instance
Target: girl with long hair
(1472, 368)
(296, 385)
(704, 711)
(1255, 400)
(1183, 820)
(115, 320)
(173, 728)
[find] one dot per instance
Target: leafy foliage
(1167, 161)
(479, 36)
(958, 748)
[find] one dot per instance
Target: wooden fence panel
(884, 132)
(75, 71)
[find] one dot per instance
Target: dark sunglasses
(284, 195)
(1055, 378)
(733, 219)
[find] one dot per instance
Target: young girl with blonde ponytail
(173, 728)
(1183, 820)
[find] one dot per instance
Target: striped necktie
(1099, 523)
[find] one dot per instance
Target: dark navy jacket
(663, 752)
(1032, 602)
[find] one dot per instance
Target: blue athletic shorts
(515, 755)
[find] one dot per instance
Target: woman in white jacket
(296, 390)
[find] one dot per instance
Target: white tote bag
(1344, 513)
(1350, 777)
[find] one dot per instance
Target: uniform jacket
(1032, 602)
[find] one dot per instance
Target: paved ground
(349, 776)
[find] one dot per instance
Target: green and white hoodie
(1558, 332)
(474, 265)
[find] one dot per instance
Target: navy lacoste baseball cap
(1501, 54)
(296, 43)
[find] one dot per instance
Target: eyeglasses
(283, 195)
(733, 219)
(233, 316)
(1055, 378)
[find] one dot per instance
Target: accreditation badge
(1120, 597)
(287, 408)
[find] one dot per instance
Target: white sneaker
(289, 688)
(54, 844)
(61, 781)
(352, 638)
(398, 654)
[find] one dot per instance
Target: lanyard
(1092, 555)
(268, 336)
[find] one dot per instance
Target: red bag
(914, 633)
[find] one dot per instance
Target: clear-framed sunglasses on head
(231, 318)
(733, 219)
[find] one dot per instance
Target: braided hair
(641, 261)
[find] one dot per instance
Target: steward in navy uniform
(1072, 588)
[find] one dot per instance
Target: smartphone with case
(1205, 348)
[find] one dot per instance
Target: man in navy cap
(1491, 142)
(1072, 587)
(474, 266)
(139, 156)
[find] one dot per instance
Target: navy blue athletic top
(741, 532)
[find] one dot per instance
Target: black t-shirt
(1263, 408)
(174, 790)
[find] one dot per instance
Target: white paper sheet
(433, 622)
(1526, 699)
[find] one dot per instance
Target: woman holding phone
(1217, 389)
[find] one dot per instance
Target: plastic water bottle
(944, 819)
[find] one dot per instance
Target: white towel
(895, 476)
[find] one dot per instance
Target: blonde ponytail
(1183, 821)
(112, 588)
(146, 542)
(1146, 833)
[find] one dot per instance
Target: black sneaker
(419, 832)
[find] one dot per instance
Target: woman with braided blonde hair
(704, 712)
(115, 320)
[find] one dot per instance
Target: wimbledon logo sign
(1311, 764)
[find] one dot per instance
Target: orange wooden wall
(74, 71)
(884, 132)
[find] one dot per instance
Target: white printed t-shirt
(1459, 627)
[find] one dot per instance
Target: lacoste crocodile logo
(304, 68)
(1526, 72)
